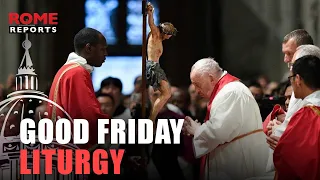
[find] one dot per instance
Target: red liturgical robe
(297, 155)
(72, 89)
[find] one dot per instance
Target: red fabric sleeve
(277, 110)
(266, 122)
(297, 154)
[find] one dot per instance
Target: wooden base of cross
(144, 54)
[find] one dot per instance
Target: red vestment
(297, 154)
(220, 84)
(277, 110)
(72, 89)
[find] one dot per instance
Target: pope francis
(230, 142)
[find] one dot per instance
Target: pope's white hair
(206, 66)
(305, 50)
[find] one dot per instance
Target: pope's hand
(186, 122)
(190, 126)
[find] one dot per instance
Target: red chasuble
(277, 110)
(72, 89)
(221, 83)
(297, 155)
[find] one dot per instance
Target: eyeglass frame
(289, 78)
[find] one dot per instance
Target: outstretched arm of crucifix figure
(154, 29)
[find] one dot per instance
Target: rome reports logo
(19, 105)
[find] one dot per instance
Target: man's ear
(88, 48)
(212, 79)
(298, 80)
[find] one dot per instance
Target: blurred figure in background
(113, 86)
(2, 92)
(107, 103)
(287, 95)
(193, 100)
(271, 87)
(165, 156)
(170, 105)
(11, 83)
(263, 81)
(42, 107)
(126, 101)
(136, 157)
(137, 85)
(180, 98)
(256, 90)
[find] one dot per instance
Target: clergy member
(295, 103)
(297, 154)
(72, 87)
(230, 142)
(295, 44)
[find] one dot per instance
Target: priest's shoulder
(308, 113)
(310, 110)
(72, 69)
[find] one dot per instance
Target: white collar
(313, 98)
(223, 74)
(75, 58)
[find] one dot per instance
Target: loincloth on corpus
(155, 74)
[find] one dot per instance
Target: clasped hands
(272, 140)
(190, 126)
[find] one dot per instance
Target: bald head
(305, 50)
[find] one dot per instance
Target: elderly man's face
(288, 49)
(204, 84)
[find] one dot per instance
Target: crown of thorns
(168, 28)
